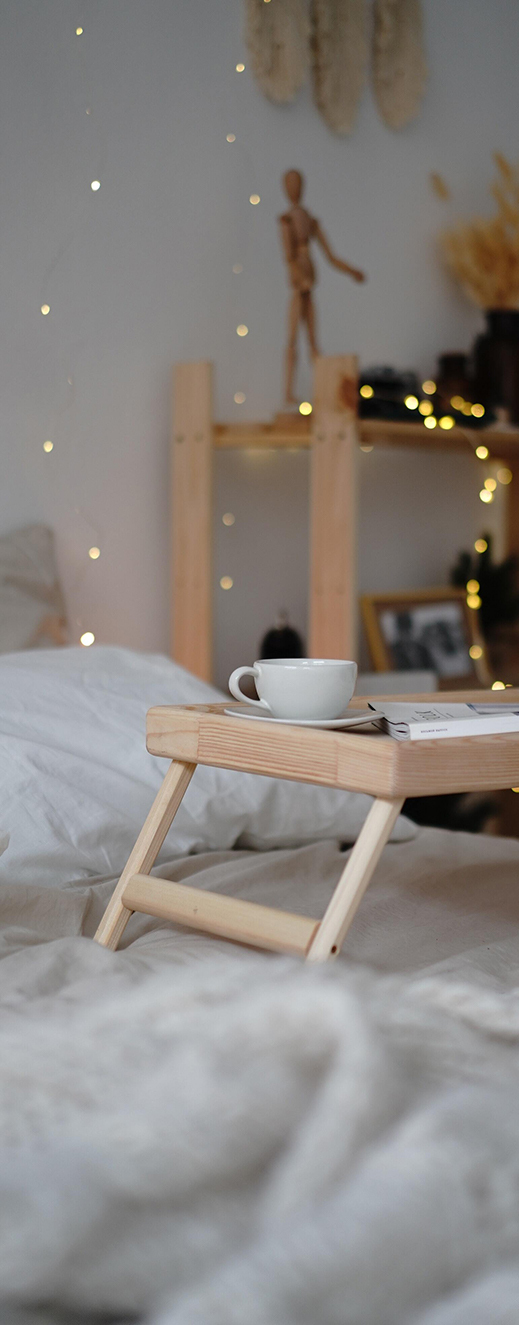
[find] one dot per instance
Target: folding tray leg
(146, 849)
(358, 871)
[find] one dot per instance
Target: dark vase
(496, 362)
(452, 379)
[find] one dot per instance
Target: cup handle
(234, 687)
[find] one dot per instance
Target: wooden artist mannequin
(297, 229)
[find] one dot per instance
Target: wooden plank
(371, 432)
(191, 477)
(146, 849)
(333, 511)
(358, 871)
(229, 917)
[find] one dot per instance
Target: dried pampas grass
(399, 68)
(340, 54)
(484, 255)
(277, 37)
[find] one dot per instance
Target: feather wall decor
(399, 68)
(340, 55)
(277, 36)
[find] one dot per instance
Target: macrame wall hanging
(277, 36)
(284, 37)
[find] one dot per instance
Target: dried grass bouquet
(484, 255)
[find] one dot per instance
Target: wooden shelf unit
(333, 434)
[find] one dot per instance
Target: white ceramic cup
(318, 688)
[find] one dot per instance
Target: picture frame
(427, 629)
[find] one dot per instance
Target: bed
(201, 1134)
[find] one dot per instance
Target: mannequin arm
(336, 262)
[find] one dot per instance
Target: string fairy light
(254, 199)
(226, 582)
(485, 495)
(242, 330)
(505, 475)
(491, 484)
(478, 411)
(239, 397)
(94, 553)
(79, 32)
(476, 651)
(366, 391)
(473, 601)
(500, 685)
(240, 67)
(48, 446)
(430, 422)
(228, 519)
(231, 137)
(426, 407)
(480, 545)
(237, 269)
(87, 638)
(446, 422)
(482, 452)
(411, 402)
(472, 586)
(95, 185)
(45, 308)
(429, 387)
(305, 407)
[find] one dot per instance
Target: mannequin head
(293, 184)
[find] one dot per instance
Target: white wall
(140, 274)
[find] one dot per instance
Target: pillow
(76, 780)
(32, 611)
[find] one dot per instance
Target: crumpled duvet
(207, 1135)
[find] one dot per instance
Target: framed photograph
(429, 629)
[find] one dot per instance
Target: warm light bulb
(491, 484)
(478, 411)
(228, 518)
(498, 685)
(485, 495)
(365, 447)
(239, 397)
(237, 268)
(425, 407)
(430, 422)
(48, 446)
(231, 137)
(305, 407)
(45, 308)
(79, 32)
(411, 402)
(472, 586)
(505, 475)
(467, 408)
(87, 638)
(457, 402)
(226, 582)
(88, 110)
(446, 422)
(240, 67)
(367, 391)
(95, 185)
(482, 452)
(481, 545)
(242, 330)
(94, 553)
(514, 788)
(473, 600)
(476, 651)
(429, 387)
(254, 199)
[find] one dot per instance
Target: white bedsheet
(212, 1136)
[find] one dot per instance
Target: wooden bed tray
(366, 762)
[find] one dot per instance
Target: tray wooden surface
(355, 760)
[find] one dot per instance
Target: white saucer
(357, 718)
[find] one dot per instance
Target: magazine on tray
(419, 722)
